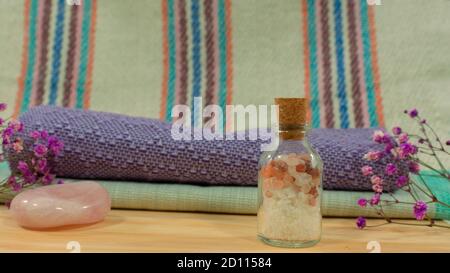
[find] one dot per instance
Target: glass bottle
(290, 183)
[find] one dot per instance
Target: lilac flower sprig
(405, 148)
(35, 172)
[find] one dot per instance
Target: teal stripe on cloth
(31, 56)
(340, 64)
(172, 59)
(368, 72)
(223, 59)
(84, 52)
(315, 105)
(57, 48)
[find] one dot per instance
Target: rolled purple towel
(100, 145)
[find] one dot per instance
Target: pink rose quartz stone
(61, 205)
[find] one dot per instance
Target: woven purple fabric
(101, 145)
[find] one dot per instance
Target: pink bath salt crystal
(300, 168)
(316, 181)
(267, 184)
(305, 157)
(297, 188)
(313, 192)
(289, 180)
(315, 173)
(61, 205)
(306, 188)
(279, 165)
(269, 194)
(278, 184)
(280, 175)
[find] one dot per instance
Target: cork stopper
(291, 117)
(292, 112)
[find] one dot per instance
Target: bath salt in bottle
(290, 183)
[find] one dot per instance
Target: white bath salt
(290, 210)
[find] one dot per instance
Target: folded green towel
(243, 199)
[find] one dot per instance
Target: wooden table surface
(152, 231)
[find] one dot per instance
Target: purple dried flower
(376, 180)
(388, 148)
(367, 170)
(40, 150)
(403, 138)
(414, 167)
(47, 179)
(55, 145)
(7, 134)
(44, 134)
(18, 145)
(11, 180)
(29, 178)
(3, 106)
(420, 209)
(35, 135)
(1, 121)
(42, 165)
(373, 155)
(401, 181)
(59, 182)
(16, 125)
(378, 136)
(390, 169)
(361, 222)
(423, 121)
(16, 187)
(397, 130)
(362, 202)
(375, 199)
(378, 188)
(413, 113)
(408, 149)
(22, 166)
(447, 142)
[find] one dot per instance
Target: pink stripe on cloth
(181, 74)
(362, 79)
(76, 68)
(177, 53)
(216, 52)
(39, 45)
(320, 69)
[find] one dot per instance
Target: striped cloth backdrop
(339, 57)
(205, 34)
(58, 54)
(339, 36)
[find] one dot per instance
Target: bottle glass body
(290, 192)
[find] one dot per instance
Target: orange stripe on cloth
(229, 50)
(375, 67)
(24, 63)
(165, 45)
(306, 56)
(90, 64)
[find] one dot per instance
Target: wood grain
(152, 231)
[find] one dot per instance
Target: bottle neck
(293, 132)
